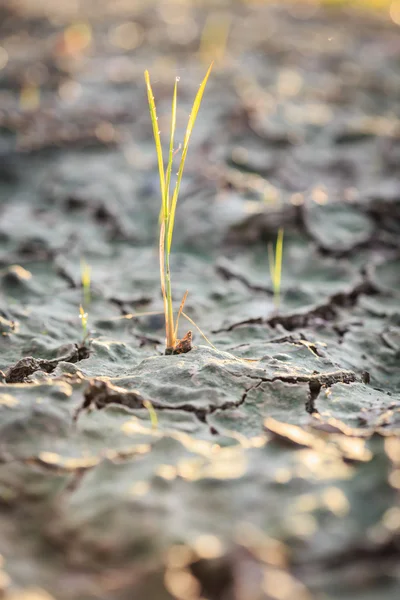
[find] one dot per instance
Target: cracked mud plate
(267, 467)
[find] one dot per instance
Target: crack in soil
(21, 370)
(296, 340)
(227, 273)
(322, 379)
(314, 391)
(139, 301)
(316, 382)
(100, 393)
(327, 311)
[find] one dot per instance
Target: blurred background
(67, 56)
(302, 110)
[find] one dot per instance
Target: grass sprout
(152, 414)
(85, 279)
(84, 320)
(169, 200)
(275, 266)
(86, 298)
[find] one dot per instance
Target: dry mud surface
(271, 478)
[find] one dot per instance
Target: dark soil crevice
(326, 311)
(20, 372)
(63, 273)
(321, 379)
(315, 388)
(316, 382)
(100, 393)
(385, 552)
(227, 273)
(136, 302)
(375, 240)
(147, 339)
(298, 339)
(242, 400)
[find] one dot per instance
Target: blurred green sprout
(275, 266)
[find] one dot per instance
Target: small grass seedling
(152, 414)
(84, 320)
(168, 207)
(85, 279)
(275, 266)
(86, 299)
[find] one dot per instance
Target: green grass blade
(157, 140)
(152, 414)
(171, 143)
(196, 107)
(84, 320)
(85, 279)
(278, 266)
(162, 277)
(189, 129)
(278, 258)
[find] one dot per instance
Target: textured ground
(273, 468)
